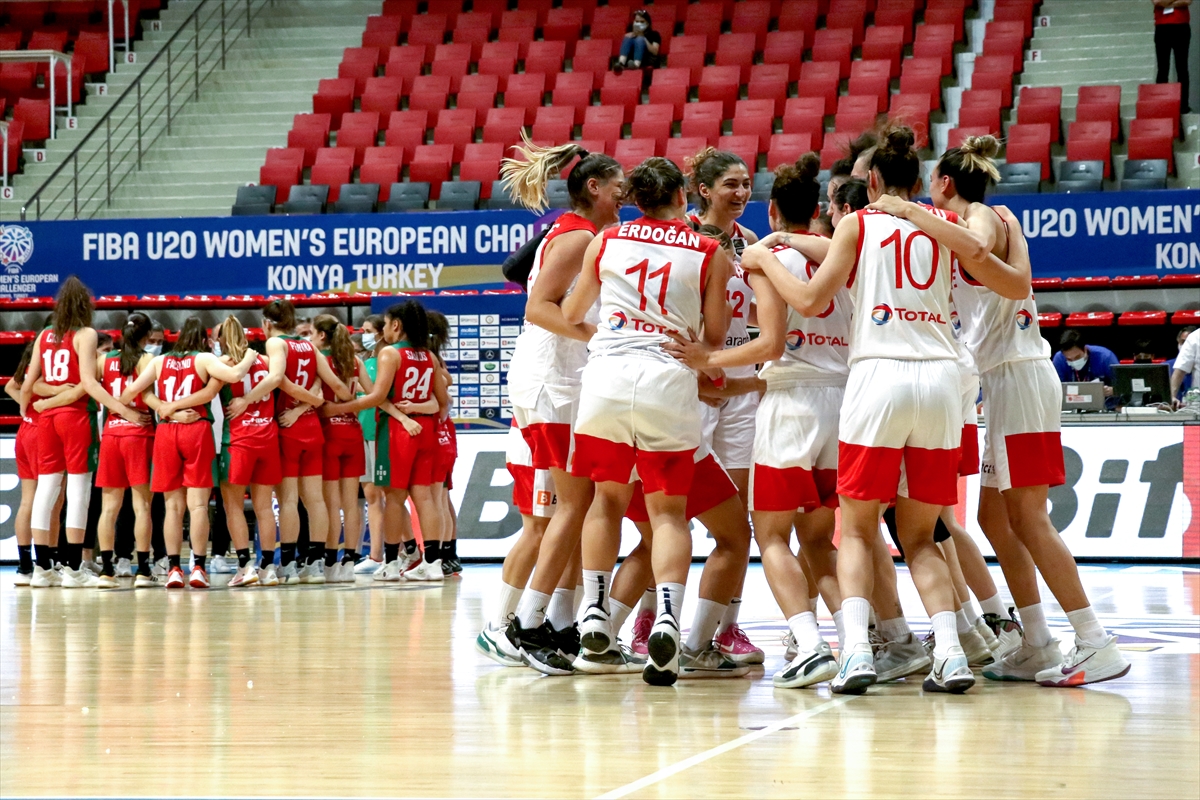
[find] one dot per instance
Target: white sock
(972, 611)
(596, 585)
(649, 601)
(531, 611)
(620, 613)
(855, 611)
(578, 600)
(892, 630)
(730, 617)
(561, 611)
(704, 624)
(1087, 628)
(961, 622)
(1033, 622)
(945, 633)
(507, 604)
(994, 605)
(804, 628)
(670, 599)
(840, 622)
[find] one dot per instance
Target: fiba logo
(1024, 319)
(881, 314)
(618, 320)
(16, 247)
(794, 340)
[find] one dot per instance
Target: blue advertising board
(1110, 233)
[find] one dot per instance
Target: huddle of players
(635, 368)
(291, 433)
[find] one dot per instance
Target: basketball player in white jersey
(722, 183)
(1021, 404)
(900, 431)
(544, 385)
(795, 450)
(639, 406)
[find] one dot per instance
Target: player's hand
(288, 418)
(166, 410)
(774, 239)
(186, 416)
(136, 417)
(1108, 391)
(890, 204)
(689, 350)
(405, 406)
(412, 426)
(237, 406)
(40, 405)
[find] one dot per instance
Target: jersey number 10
(905, 263)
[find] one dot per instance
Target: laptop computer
(1083, 396)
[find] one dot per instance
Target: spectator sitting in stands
(640, 46)
(1077, 361)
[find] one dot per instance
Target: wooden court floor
(372, 691)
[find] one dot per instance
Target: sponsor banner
(1132, 491)
(1105, 233)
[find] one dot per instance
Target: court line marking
(733, 744)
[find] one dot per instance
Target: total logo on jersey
(618, 320)
(882, 314)
(797, 339)
(1024, 319)
(955, 322)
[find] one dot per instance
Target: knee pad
(79, 496)
(44, 499)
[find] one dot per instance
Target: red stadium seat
(912, 110)
(769, 82)
(689, 52)
(525, 91)
(1090, 141)
(834, 45)
(871, 79)
(631, 152)
(1010, 46)
(91, 53)
(720, 83)
(884, 43)
(592, 55)
(1090, 319)
(746, 147)
(999, 81)
(406, 129)
(503, 125)
(669, 86)
(1186, 316)
(752, 15)
(1141, 318)
(836, 146)
(848, 16)
(563, 24)
(704, 19)
(683, 148)
(428, 30)
(332, 175)
(604, 123)
(781, 48)
(1157, 93)
(943, 50)
(922, 81)
(36, 116)
(786, 148)
(384, 155)
(799, 16)
(653, 122)
(946, 16)
(1134, 281)
(358, 138)
(806, 115)
(1051, 319)
(1106, 113)
(623, 91)
(335, 97)
(483, 171)
(429, 93)
(893, 16)
(736, 50)
(1016, 12)
(610, 22)
(573, 89)
(282, 176)
(455, 127)
(759, 125)
(546, 57)
(1028, 144)
(553, 124)
(522, 35)
(1041, 104)
(980, 116)
(478, 92)
(1152, 138)
(702, 120)
(820, 79)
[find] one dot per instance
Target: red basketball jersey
(257, 423)
(60, 366)
(331, 397)
(116, 384)
(177, 379)
(414, 376)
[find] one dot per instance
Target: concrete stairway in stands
(218, 142)
(1104, 42)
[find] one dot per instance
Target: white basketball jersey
(901, 290)
(995, 329)
(541, 358)
(816, 349)
(652, 275)
(740, 297)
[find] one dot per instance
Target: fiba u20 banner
(1114, 233)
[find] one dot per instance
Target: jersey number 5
(642, 269)
(905, 263)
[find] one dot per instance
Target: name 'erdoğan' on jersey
(652, 276)
(900, 285)
(816, 349)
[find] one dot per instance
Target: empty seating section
(444, 95)
(78, 28)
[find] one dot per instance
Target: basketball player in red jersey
(544, 386)
(296, 363)
(249, 455)
(638, 406)
(125, 453)
(1021, 401)
(64, 359)
(902, 440)
(27, 473)
(407, 374)
(447, 439)
(345, 458)
(186, 377)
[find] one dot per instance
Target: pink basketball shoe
(736, 645)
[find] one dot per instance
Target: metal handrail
(129, 107)
(23, 56)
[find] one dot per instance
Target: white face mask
(368, 340)
(154, 349)
(1078, 363)
(216, 349)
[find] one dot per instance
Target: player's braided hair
(525, 178)
(971, 167)
(340, 346)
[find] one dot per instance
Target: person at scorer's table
(1079, 362)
